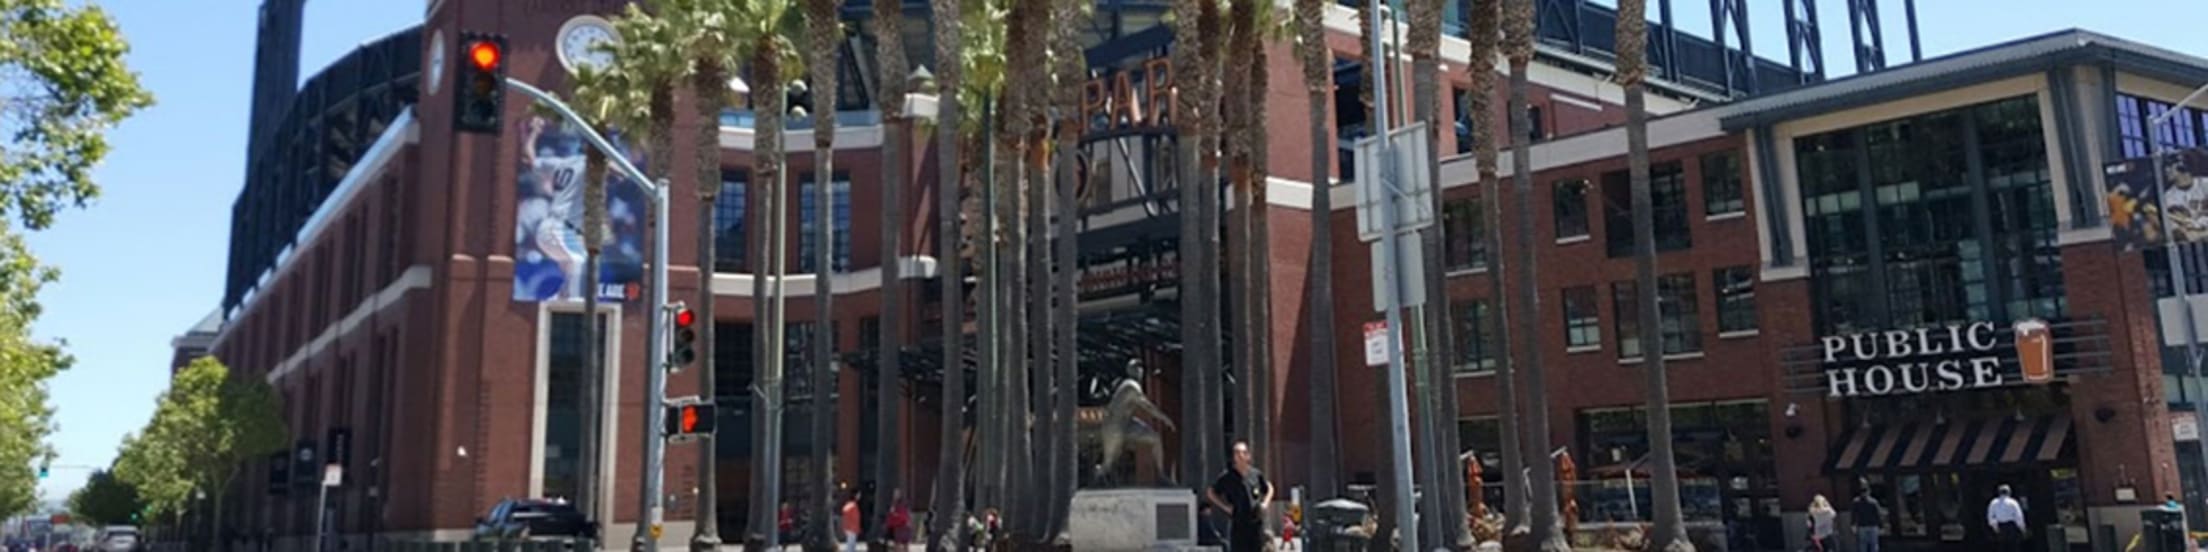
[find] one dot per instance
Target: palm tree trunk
(1547, 533)
(707, 84)
(824, 57)
(1260, 246)
(1486, 19)
(1211, 27)
(1318, 81)
(890, 454)
(949, 495)
(1187, 115)
(1235, 113)
(1069, 65)
(1432, 366)
(594, 217)
(768, 94)
(1037, 333)
(1669, 532)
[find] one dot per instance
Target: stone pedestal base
(1133, 519)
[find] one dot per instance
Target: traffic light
(481, 97)
(692, 418)
(685, 331)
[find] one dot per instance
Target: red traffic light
(689, 419)
(484, 54)
(684, 317)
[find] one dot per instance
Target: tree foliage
(25, 366)
(106, 500)
(205, 427)
(62, 85)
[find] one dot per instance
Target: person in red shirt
(786, 522)
(900, 520)
(851, 522)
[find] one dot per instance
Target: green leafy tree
(206, 426)
(25, 366)
(106, 500)
(63, 67)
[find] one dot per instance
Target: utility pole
(1399, 432)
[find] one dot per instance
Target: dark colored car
(523, 519)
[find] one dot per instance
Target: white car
(117, 538)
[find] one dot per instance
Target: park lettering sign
(1952, 358)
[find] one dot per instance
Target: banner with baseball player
(548, 239)
(2140, 199)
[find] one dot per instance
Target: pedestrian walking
(1820, 524)
(1243, 493)
(900, 520)
(851, 522)
(1869, 518)
(2005, 517)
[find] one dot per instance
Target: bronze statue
(1121, 424)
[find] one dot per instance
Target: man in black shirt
(1869, 517)
(1243, 493)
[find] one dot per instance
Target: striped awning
(1927, 444)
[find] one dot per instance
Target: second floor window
(1476, 336)
(1582, 323)
(1466, 227)
(1570, 197)
(728, 222)
(1736, 299)
(809, 215)
(1667, 193)
(1721, 184)
(1680, 329)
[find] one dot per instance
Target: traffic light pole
(655, 353)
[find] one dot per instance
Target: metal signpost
(332, 475)
(655, 387)
(1390, 288)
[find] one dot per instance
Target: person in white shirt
(2006, 518)
(1821, 516)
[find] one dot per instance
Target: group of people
(2004, 520)
(851, 521)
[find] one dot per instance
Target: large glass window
(1937, 218)
(728, 222)
(1570, 197)
(1466, 225)
(1727, 467)
(1582, 324)
(1721, 189)
(840, 191)
(563, 408)
(1667, 194)
(1478, 346)
(1680, 329)
(1736, 299)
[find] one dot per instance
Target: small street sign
(333, 475)
(1376, 343)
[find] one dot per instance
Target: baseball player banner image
(2139, 199)
(548, 235)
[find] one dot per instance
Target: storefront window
(1959, 224)
(1724, 457)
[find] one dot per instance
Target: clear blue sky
(147, 260)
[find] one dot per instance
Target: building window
(1465, 121)
(1537, 131)
(1680, 328)
(840, 191)
(728, 222)
(1937, 218)
(1476, 329)
(1736, 299)
(1667, 193)
(1721, 189)
(1465, 225)
(1582, 324)
(563, 407)
(2189, 128)
(1570, 197)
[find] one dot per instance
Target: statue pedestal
(1133, 519)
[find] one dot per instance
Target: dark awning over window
(1931, 444)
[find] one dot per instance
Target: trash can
(2162, 531)
(1338, 525)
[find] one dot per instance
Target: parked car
(526, 519)
(117, 538)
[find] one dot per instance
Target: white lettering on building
(1896, 361)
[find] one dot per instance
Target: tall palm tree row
(1026, 32)
(1546, 533)
(1211, 23)
(1068, 64)
(1432, 372)
(984, 66)
(1318, 82)
(890, 74)
(1669, 533)
(1188, 61)
(1234, 114)
(823, 61)
(1486, 21)
(1264, 25)
(949, 493)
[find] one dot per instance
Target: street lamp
(2178, 282)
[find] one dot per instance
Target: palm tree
(823, 59)
(1189, 114)
(1028, 60)
(603, 95)
(1211, 35)
(985, 66)
(1547, 533)
(1249, 25)
(891, 71)
(1069, 64)
(1265, 26)
(1486, 16)
(950, 485)
(1424, 44)
(1669, 533)
(1318, 82)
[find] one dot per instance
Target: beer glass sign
(2034, 351)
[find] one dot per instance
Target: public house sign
(1955, 357)
(1135, 100)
